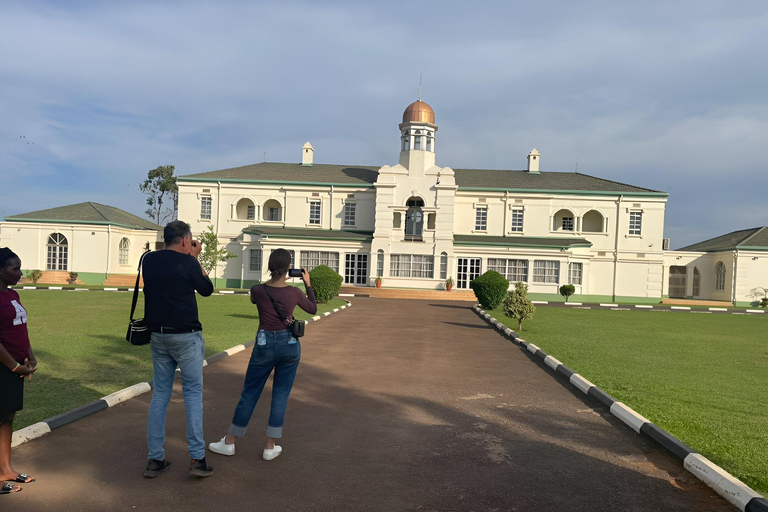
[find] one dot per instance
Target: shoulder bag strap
(136, 288)
(279, 310)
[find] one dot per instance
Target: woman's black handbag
(138, 330)
(296, 327)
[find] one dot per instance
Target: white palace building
(416, 224)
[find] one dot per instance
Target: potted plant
(72, 277)
(378, 281)
(449, 283)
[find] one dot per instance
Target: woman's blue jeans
(276, 350)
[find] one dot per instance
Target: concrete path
(398, 405)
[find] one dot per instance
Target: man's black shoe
(155, 467)
(198, 467)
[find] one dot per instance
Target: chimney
(533, 162)
(307, 154)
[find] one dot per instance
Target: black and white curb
(729, 487)
(46, 426)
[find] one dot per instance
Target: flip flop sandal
(24, 478)
(9, 488)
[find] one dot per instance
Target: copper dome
(419, 112)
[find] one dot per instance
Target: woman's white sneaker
(271, 454)
(222, 448)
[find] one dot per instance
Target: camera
(294, 272)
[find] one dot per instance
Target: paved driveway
(398, 405)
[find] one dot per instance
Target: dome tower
(417, 137)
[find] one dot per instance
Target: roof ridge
(93, 205)
(755, 231)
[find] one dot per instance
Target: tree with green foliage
(162, 189)
(567, 290)
(212, 254)
(326, 283)
(35, 275)
(490, 289)
(516, 305)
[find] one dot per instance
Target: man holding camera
(171, 278)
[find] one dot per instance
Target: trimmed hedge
(326, 283)
(490, 289)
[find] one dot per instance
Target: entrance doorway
(677, 282)
(356, 269)
(468, 269)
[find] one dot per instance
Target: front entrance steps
(407, 293)
(697, 302)
(122, 281)
(56, 277)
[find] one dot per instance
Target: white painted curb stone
(532, 348)
(714, 476)
(29, 433)
(127, 393)
(234, 350)
(581, 383)
(628, 416)
(552, 362)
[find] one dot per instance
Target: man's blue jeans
(187, 352)
(273, 349)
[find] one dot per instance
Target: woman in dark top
(17, 361)
(276, 349)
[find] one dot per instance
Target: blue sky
(665, 95)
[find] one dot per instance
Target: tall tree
(212, 254)
(162, 190)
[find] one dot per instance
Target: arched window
(273, 211)
(564, 220)
(245, 209)
(414, 219)
(406, 141)
(125, 249)
(417, 139)
(592, 222)
(58, 252)
(720, 276)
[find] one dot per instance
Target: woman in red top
(275, 348)
(16, 361)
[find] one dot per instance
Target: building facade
(415, 224)
(92, 239)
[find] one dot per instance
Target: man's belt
(172, 330)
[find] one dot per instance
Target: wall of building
(92, 249)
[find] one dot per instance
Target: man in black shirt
(171, 278)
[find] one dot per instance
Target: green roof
(466, 179)
(479, 179)
(320, 174)
(86, 213)
(521, 241)
(747, 239)
(310, 234)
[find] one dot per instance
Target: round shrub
(490, 289)
(326, 283)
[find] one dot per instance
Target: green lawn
(79, 341)
(702, 377)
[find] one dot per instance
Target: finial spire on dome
(421, 75)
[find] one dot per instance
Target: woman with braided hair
(16, 362)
